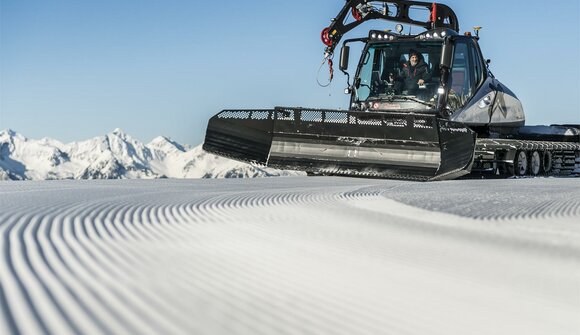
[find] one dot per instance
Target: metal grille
(234, 115)
(395, 121)
(258, 114)
(312, 116)
(261, 115)
(369, 122)
(285, 115)
(427, 123)
(330, 116)
(337, 117)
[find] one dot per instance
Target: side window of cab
(463, 75)
(478, 66)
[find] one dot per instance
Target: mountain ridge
(115, 155)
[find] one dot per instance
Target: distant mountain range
(115, 156)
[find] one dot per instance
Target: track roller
(547, 163)
(520, 166)
(535, 163)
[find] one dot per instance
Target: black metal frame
(440, 14)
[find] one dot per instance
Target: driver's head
(413, 57)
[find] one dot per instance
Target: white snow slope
(292, 255)
(114, 156)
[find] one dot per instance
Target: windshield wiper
(410, 98)
(392, 98)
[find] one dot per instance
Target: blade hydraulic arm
(441, 16)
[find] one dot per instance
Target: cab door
(466, 73)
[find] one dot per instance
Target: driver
(415, 72)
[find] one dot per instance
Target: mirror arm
(445, 66)
(344, 57)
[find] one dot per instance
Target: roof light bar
(382, 35)
(435, 34)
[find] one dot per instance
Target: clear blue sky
(74, 69)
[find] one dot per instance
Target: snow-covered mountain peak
(165, 144)
(122, 144)
(7, 132)
(51, 142)
(118, 131)
(8, 135)
(22, 158)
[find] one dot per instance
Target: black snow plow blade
(334, 142)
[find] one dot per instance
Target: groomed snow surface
(292, 255)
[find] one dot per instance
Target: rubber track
(484, 144)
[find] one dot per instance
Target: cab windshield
(402, 75)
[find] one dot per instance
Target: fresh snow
(295, 255)
(114, 156)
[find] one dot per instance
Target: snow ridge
(115, 155)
